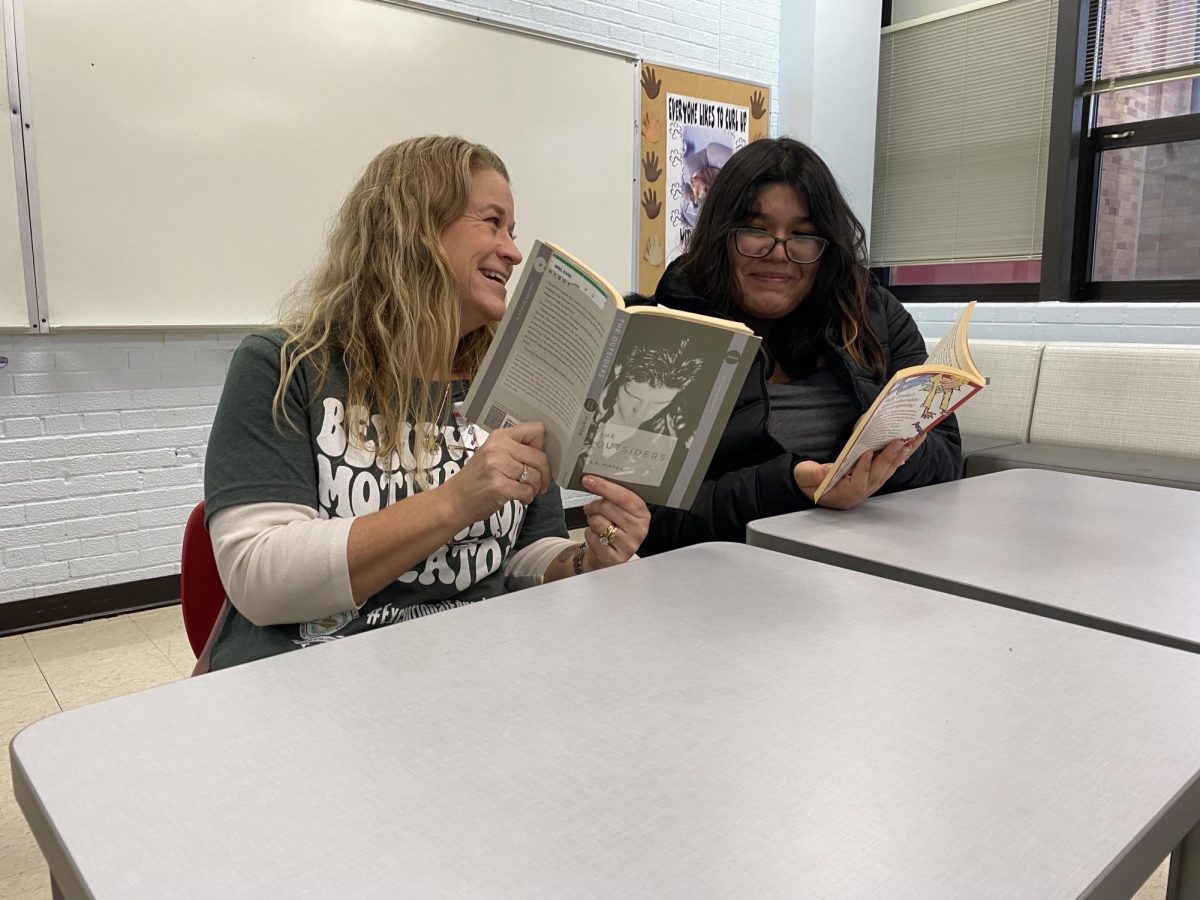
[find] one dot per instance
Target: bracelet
(577, 558)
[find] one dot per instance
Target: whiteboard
(14, 304)
(190, 154)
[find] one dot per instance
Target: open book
(914, 400)
(639, 396)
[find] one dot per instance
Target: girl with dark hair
(777, 247)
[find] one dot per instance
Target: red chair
(201, 593)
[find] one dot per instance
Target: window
(1123, 196)
(962, 140)
(1033, 149)
(1141, 69)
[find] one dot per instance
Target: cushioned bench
(1127, 411)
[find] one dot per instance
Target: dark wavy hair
(839, 293)
(662, 367)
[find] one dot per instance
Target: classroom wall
(738, 38)
(831, 64)
(1141, 323)
(102, 435)
(102, 442)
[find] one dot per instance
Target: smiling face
(774, 286)
(480, 246)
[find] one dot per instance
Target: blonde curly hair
(384, 295)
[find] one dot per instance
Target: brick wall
(1144, 323)
(739, 38)
(102, 435)
(102, 441)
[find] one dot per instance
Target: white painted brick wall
(1143, 323)
(102, 440)
(738, 38)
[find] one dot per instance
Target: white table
(717, 722)
(1114, 555)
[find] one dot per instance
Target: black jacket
(750, 476)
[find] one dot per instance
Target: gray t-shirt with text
(330, 465)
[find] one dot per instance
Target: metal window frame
(1072, 181)
(1012, 292)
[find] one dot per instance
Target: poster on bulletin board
(690, 125)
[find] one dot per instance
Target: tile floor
(43, 672)
(60, 668)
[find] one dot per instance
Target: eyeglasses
(800, 248)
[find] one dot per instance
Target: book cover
(639, 396)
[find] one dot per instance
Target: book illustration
(639, 396)
(915, 400)
(640, 419)
(943, 386)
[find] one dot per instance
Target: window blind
(1138, 42)
(962, 134)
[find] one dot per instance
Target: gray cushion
(973, 443)
(1149, 468)
(1140, 398)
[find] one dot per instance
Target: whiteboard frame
(40, 314)
(14, 50)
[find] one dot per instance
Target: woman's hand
(618, 508)
(509, 466)
(867, 476)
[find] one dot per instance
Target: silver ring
(524, 475)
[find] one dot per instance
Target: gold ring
(607, 535)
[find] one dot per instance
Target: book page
(543, 359)
(952, 351)
(916, 399)
(909, 406)
(670, 386)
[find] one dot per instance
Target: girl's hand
(867, 476)
(621, 515)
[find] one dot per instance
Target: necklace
(433, 440)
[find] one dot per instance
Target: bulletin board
(691, 124)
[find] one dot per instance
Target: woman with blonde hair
(343, 492)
